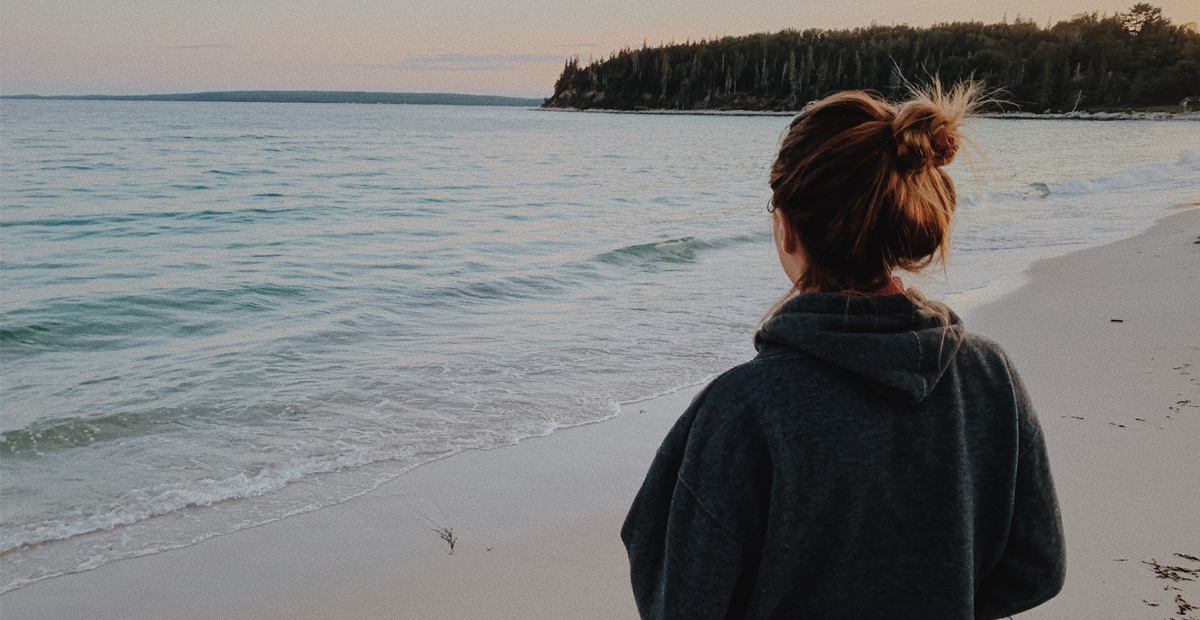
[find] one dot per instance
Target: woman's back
(871, 461)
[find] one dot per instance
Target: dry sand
(536, 525)
(1120, 405)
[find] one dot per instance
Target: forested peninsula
(1133, 60)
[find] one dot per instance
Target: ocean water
(218, 315)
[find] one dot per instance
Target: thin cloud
(471, 62)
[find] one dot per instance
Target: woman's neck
(893, 287)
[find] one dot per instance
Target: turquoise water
(217, 315)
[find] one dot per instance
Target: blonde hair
(860, 183)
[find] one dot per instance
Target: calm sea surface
(214, 315)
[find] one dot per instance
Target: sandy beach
(1107, 340)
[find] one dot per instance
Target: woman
(873, 460)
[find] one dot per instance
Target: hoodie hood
(900, 345)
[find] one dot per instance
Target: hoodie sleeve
(684, 563)
(1033, 565)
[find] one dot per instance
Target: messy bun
(861, 184)
(926, 128)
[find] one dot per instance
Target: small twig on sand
(1187, 557)
(447, 535)
(1184, 606)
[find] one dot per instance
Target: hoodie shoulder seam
(920, 361)
(729, 531)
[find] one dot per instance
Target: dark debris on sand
(1177, 574)
(1174, 573)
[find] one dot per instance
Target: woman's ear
(782, 231)
(791, 253)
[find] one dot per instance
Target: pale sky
(516, 47)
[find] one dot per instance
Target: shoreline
(1052, 116)
(536, 525)
(1096, 116)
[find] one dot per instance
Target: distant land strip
(1136, 61)
(307, 96)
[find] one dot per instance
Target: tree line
(1135, 59)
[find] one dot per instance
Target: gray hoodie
(873, 461)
